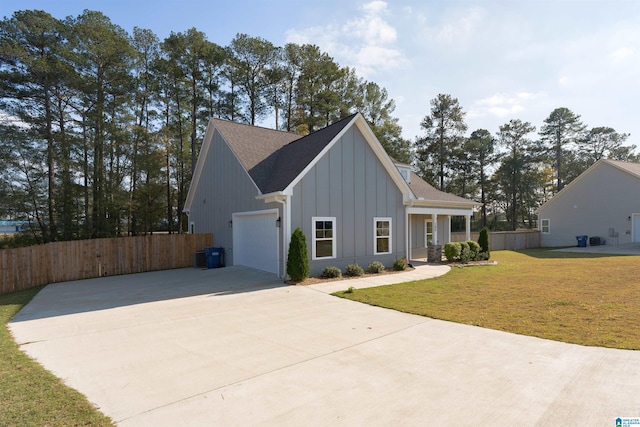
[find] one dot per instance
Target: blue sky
(501, 59)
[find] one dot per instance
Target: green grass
(29, 394)
(576, 298)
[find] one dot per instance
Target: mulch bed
(317, 279)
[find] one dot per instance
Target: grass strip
(31, 395)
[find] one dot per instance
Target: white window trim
(542, 227)
(375, 237)
(333, 238)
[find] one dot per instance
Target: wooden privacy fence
(23, 268)
(506, 240)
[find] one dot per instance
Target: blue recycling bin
(214, 256)
(582, 241)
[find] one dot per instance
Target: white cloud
(622, 54)
(365, 42)
(503, 105)
(371, 28)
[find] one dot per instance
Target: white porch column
(447, 231)
(435, 229)
(467, 227)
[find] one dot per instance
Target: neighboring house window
(324, 237)
(382, 236)
(192, 228)
(545, 226)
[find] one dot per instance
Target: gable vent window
(405, 174)
(382, 236)
(324, 237)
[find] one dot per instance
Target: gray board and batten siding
(351, 184)
(218, 197)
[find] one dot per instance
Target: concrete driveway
(234, 346)
(623, 249)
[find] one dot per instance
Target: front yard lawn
(31, 395)
(576, 298)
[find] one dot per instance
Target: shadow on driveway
(104, 293)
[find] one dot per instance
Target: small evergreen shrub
(354, 270)
(298, 260)
(375, 267)
(483, 241)
(465, 253)
(452, 251)
(331, 272)
(400, 264)
(474, 250)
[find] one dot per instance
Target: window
(382, 236)
(428, 232)
(192, 228)
(405, 174)
(545, 226)
(324, 240)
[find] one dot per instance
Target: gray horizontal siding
(603, 199)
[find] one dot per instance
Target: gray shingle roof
(422, 189)
(633, 168)
(273, 158)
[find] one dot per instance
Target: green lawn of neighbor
(576, 298)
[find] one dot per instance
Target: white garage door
(255, 240)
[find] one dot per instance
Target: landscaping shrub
(400, 264)
(354, 270)
(465, 253)
(483, 241)
(452, 251)
(474, 250)
(375, 267)
(331, 272)
(298, 260)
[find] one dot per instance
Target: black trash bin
(582, 241)
(595, 241)
(199, 259)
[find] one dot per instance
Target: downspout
(286, 232)
(407, 228)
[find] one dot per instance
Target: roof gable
(275, 160)
(255, 148)
(291, 160)
(630, 168)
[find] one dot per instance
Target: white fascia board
(202, 157)
(442, 204)
(276, 196)
(426, 210)
(325, 150)
(375, 145)
(384, 158)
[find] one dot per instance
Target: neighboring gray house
(253, 186)
(604, 201)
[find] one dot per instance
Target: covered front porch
(431, 227)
